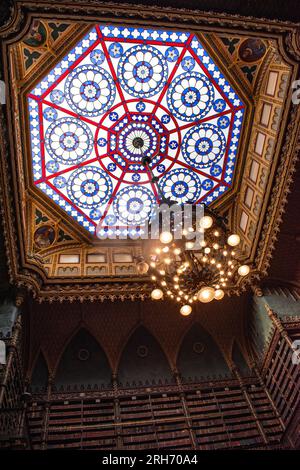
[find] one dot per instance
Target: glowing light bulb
(166, 237)
(152, 264)
(233, 240)
(215, 246)
(176, 278)
(167, 260)
(157, 294)
(216, 233)
(165, 249)
(163, 283)
(142, 267)
(180, 292)
(157, 250)
(204, 259)
(206, 294)
(186, 310)
(162, 272)
(219, 294)
(243, 270)
(177, 251)
(219, 265)
(206, 221)
(225, 253)
(153, 278)
(189, 245)
(212, 261)
(176, 286)
(203, 243)
(207, 250)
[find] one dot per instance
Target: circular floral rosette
(90, 90)
(190, 96)
(134, 205)
(69, 140)
(203, 145)
(89, 187)
(142, 71)
(147, 136)
(181, 185)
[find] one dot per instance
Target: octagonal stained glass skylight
(117, 84)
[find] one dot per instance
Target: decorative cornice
(95, 292)
(182, 16)
(292, 43)
(6, 201)
(168, 388)
(280, 191)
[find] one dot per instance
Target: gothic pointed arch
(83, 365)
(143, 361)
(39, 377)
(199, 357)
(239, 360)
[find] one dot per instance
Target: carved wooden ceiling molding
(34, 38)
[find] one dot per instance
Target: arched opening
(39, 378)
(83, 365)
(143, 362)
(200, 358)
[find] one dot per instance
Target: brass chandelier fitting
(188, 274)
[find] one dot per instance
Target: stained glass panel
(118, 84)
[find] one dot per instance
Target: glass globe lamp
(157, 294)
(206, 294)
(186, 310)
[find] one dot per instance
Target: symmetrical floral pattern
(89, 187)
(181, 186)
(127, 138)
(134, 205)
(90, 90)
(203, 145)
(69, 140)
(142, 71)
(190, 96)
(120, 85)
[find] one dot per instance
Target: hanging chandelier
(186, 273)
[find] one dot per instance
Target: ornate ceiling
(212, 106)
(118, 84)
